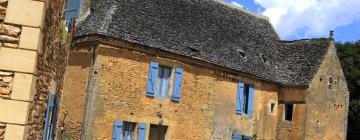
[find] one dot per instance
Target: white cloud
(309, 18)
(237, 4)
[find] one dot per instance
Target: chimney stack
(332, 35)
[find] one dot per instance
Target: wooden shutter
(117, 130)
(72, 9)
(177, 84)
(251, 100)
(236, 137)
(50, 104)
(54, 117)
(142, 131)
(240, 98)
(151, 84)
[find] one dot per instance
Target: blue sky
(297, 19)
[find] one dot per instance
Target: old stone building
(197, 69)
(34, 44)
(162, 69)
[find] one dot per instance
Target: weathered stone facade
(109, 83)
(39, 58)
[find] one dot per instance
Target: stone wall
(206, 109)
(50, 65)
(328, 101)
(9, 34)
(294, 129)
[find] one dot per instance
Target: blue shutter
(54, 118)
(72, 9)
(246, 138)
(151, 84)
(240, 98)
(177, 84)
(50, 105)
(251, 100)
(236, 137)
(142, 131)
(117, 130)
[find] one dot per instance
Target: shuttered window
(245, 99)
(72, 11)
(236, 137)
(163, 82)
(158, 83)
(51, 117)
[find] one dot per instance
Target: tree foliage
(349, 55)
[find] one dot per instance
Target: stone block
(30, 38)
(25, 12)
(17, 60)
(9, 30)
(23, 87)
(15, 132)
(14, 112)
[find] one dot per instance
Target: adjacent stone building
(33, 52)
(197, 70)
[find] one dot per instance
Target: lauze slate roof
(208, 31)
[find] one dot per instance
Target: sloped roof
(209, 31)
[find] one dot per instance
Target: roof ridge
(243, 10)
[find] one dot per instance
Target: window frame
(161, 80)
(286, 113)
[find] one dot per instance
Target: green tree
(349, 55)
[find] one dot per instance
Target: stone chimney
(332, 35)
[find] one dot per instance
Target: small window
(128, 131)
(272, 107)
(163, 82)
(246, 99)
(157, 132)
(289, 112)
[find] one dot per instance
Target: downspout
(88, 116)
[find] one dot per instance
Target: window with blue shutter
(236, 137)
(117, 130)
(142, 131)
(245, 99)
(51, 117)
(177, 84)
(152, 77)
(72, 11)
(163, 82)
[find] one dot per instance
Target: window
(245, 99)
(240, 137)
(72, 11)
(163, 82)
(128, 131)
(272, 107)
(159, 81)
(157, 132)
(288, 116)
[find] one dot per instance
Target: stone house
(197, 70)
(34, 44)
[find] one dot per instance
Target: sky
(299, 19)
